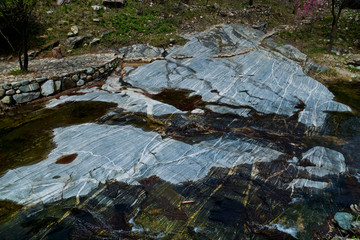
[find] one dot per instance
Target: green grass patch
(16, 72)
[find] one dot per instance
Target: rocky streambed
(222, 138)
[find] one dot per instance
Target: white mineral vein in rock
(123, 153)
(302, 182)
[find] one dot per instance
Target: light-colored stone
(94, 41)
(2, 92)
(165, 158)
(75, 30)
(80, 83)
(15, 84)
(75, 77)
(344, 220)
(6, 100)
(82, 76)
(96, 7)
(48, 88)
(324, 160)
(255, 78)
(90, 70)
(101, 70)
(57, 85)
(10, 92)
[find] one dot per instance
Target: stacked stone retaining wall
(28, 90)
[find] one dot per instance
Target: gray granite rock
(344, 220)
(30, 88)
(75, 77)
(48, 88)
(141, 50)
(24, 82)
(292, 53)
(10, 92)
(2, 92)
(313, 66)
(74, 42)
(94, 41)
(80, 83)
(322, 161)
(26, 97)
(16, 84)
(122, 153)
(241, 74)
(90, 70)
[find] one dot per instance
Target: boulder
(74, 42)
(94, 41)
(292, 53)
(75, 30)
(56, 52)
(67, 83)
(48, 88)
(30, 88)
(313, 66)
(10, 92)
(344, 220)
(26, 97)
(2, 92)
(90, 70)
(80, 83)
(6, 100)
(57, 86)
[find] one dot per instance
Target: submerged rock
(344, 220)
(222, 123)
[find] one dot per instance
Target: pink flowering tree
(311, 10)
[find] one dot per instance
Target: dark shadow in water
(26, 133)
(179, 99)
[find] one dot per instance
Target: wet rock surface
(219, 139)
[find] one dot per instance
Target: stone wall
(28, 90)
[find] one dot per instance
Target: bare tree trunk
(25, 46)
(333, 33)
(334, 24)
(20, 61)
